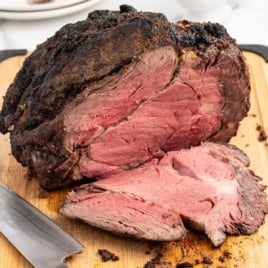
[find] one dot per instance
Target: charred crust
(201, 35)
(127, 9)
(215, 30)
(31, 123)
(81, 55)
(39, 76)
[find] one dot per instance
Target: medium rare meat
(209, 186)
(125, 214)
(119, 89)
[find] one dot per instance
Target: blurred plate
(48, 13)
(24, 5)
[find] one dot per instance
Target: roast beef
(119, 89)
(209, 186)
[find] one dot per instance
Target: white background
(247, 22)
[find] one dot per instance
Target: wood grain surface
(245, 251)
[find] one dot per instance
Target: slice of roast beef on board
(209, 186)
(119, 89)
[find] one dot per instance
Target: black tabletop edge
(5, 54)
(261, 50)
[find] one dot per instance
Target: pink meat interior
(148, 110)
(139, 218)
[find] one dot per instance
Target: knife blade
(39, 239)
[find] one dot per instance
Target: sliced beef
(209, 186)
(125, 214)
(119, 89)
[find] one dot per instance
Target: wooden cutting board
(245, 251)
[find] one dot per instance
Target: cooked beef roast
(209, 186)
(119, 89)
(122, 96)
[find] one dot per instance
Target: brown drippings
(107, 255)
(184, 265)
(158, 250)
(195, 251)
(157, 262)
(207, 260)
(221, 258)
(43, 194)
(227, 254)
(262, 134)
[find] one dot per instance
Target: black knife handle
(5, 54)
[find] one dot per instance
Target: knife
(40, 240)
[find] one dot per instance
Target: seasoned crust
(76, 55)
(89, 50)
(87, 53)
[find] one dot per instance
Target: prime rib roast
(123, 94)
(119, 89)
